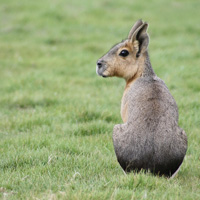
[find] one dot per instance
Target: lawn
(57, 115)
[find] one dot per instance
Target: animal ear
(140, 39)
(134, 28)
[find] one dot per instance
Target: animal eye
(124, 53)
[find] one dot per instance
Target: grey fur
(151, 138)
(134, 28)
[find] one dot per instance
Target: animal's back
(151, 137)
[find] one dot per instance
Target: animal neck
(148, 70)
(144, 70)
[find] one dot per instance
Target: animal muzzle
(100, 68)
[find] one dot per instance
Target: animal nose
(99, 64)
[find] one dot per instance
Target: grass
(57, 116)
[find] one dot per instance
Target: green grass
(57, 115)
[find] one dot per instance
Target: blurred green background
(57, 115)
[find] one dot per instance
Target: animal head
(125, 58)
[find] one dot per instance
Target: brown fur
(150, 137)
(129, 82)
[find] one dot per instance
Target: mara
(149, 138)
